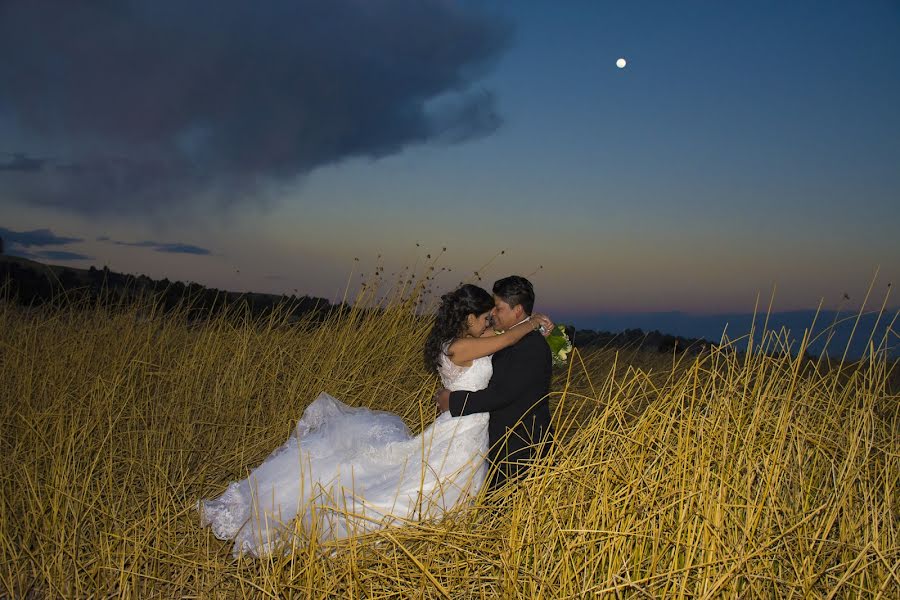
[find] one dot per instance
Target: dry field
(724, 475)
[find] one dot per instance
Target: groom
(516, 396)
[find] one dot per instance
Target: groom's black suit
(516, 398)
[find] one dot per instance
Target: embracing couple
(348, 470)
(515, 393)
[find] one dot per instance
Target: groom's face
(506, 316)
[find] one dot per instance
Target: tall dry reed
(722, 475)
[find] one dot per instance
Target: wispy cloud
(181, 249)
(181, 105)
(28, 244)
(175, 248)
(36, 237)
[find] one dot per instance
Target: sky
(746, 149)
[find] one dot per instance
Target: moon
(621, 63)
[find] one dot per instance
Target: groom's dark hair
(515, 290)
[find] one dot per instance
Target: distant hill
(636, 338)
(32, 283)
(833, 332)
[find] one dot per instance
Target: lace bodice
(472, 378)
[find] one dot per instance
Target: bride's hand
(546, 325)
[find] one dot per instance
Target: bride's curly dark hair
(450, 320)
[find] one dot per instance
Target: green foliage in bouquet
(560, 345)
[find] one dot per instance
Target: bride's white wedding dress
(347, 470)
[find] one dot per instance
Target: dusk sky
(264, 146)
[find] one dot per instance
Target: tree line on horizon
(28, 284)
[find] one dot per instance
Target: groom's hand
(442, 399)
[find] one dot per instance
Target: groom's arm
(509, 382)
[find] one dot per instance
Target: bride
(348, 470)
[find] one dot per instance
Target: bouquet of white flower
(560, 345)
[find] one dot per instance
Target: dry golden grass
(725, 475)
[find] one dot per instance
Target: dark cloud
(176, 248)
(20, 243)
(181, 249)
(157, 102)
(36, 237)
(17, 251)
(48, 254)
